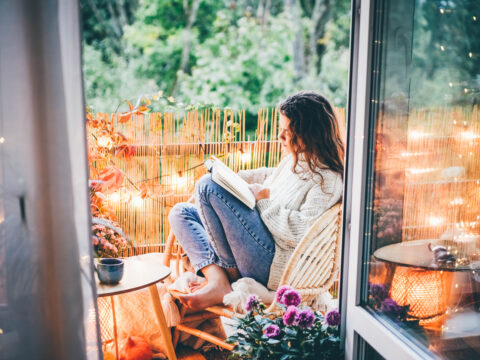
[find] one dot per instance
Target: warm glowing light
(450, 84)
(179, 179)
(442, 47)
(435, 220)
(414, 171)
(468, 135)
(104, 141)
(470, 55)
(137, 201)
(416, 134)
(245, 157)
(465, 90)
(442, 11)
(457, 201)
(474, 18)
(2, 140)
(425, 293)
(115, 197)
(409, 154)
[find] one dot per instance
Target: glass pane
(423, 207)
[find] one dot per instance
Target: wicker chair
(312, 270)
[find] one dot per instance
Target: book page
(230, 181)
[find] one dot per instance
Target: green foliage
(320, 342)
(242, 66)
(237, 57)
(445, 58)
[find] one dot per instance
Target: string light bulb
(105, 142)
(414, 134)
(137, 201)
(115, 197)
(435, 220)
(245, 156)
(469, 135)
(179, 179)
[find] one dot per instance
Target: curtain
(47, 292)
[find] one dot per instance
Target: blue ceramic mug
(110, 270)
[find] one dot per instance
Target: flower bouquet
(107, 238)
(299, 333)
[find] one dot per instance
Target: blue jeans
(221, 230)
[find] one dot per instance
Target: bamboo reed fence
(168, 160)
(429, 161)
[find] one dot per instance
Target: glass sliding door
(415, 203)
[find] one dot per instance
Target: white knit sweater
(296, 201)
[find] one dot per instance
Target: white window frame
(359, 324)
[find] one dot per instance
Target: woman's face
(284, 134)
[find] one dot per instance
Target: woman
(225, 240)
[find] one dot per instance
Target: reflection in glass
(423, 209)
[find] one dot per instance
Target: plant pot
(109, 270)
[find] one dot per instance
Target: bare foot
(194, 286)
(208, 295)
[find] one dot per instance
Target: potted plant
(108, 241)
(297, 333)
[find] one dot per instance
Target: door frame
(359, 325)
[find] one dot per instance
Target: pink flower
(95, 240)
(290, 316)
(291, 297)
(280, 292)
(271, 331)
(252, 302)
(305, 319)
(333, 318)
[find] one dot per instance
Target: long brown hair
(315, 131)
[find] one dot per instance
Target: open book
(227, 179)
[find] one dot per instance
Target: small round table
(413, 258)
(140, 273)
(414, 253)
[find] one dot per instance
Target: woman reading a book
(225, 240)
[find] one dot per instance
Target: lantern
(425, 291)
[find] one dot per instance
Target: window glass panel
(422, 226)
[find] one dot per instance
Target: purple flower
(378, 292)
(390, 307)
(280, 292)
(291, 297)
(271, 331)
(290, 316)
(252, 303)
(305, 319)
(333, 318)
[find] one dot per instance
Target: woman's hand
(260, 191)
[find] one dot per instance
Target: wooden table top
(139, 272)
(416, 253)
